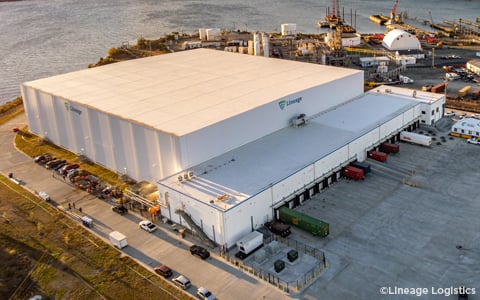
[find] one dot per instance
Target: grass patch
(33, 145)
(43, 263)
(11, 109)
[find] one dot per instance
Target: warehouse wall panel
(331, 161)
(290, 185)
(250, 214)
(391, 126)
(31, 108)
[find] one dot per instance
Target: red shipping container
(438, 88)
(353, 172)
(389, 148)
(377, 155)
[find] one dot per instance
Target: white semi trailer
(249, 243)
(416, 138)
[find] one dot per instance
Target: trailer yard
(413, 223)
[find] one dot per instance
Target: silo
(213, 34)
(250, 47)
(265, 42)
(256, 44)
(202, 33)
(289, 29)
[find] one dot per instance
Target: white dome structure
(398, 39)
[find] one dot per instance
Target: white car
(473, 141)
(147, 225)
(182, 281)
(204, 294)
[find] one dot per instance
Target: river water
(41, 38)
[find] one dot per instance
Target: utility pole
(433, 58)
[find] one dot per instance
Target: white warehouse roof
(398, 39)
(247, 170)
(182, 92)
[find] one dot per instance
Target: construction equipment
(393, 15)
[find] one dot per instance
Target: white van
(118, 239)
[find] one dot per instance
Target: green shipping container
(301, 220)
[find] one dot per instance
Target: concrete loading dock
(386, 233)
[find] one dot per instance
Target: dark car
(68, 167)
(54, 163)
(163, 270)
(199, 251)
(120, 209)
(42, 159)
(59, 166)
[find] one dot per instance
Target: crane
(393, 13)
(334, 8)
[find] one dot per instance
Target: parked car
(204, 294)
(38, 158)
(182, 282)
(147, 225)
(45, 159)
(473, 141)
(71, 174)
(68, 167)
(449, 114)
(59, 166)
(199, 251)
(120, 209)
(163, 270)
(54, 163)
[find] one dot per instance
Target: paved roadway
(163, 246)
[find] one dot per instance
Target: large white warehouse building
(222, 123)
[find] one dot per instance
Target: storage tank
(243, 50)
(250, 47)
(202, 33)
(213, 34)
(256, 44)
(265, 44)
(289, 29)
(305, 222)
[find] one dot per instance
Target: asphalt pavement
(149, 249)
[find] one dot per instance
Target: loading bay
(411, 224)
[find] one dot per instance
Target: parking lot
(412, 223)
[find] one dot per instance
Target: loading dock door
(311, 192)
(296, 201)
(333, 178)
(324, 183)
(301, 198)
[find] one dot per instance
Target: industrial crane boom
(394, 10)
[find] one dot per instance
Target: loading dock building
(214, 129)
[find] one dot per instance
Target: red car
(68, 167)
(163, 270)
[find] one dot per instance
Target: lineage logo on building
(284, 103)
(68, 107)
